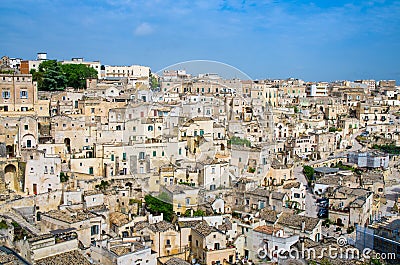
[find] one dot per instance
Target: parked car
(322, 200)
(324, 204)
(322, 213)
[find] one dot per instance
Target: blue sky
(320, 40)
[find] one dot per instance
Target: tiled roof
(204, 229)
(161, 226)
(70, 216)
(296, 221)
(269, 216)
(277, 195)
(260, 192)
(292, 185)
(118, 218)
(266, 229)
(71, 257)
(191, 223)
(176, 261)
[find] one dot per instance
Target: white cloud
(144, 29)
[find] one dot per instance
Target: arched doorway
(28, 141)
(38, 216)
(10, 151)
(222, 147)
(67, 143)
(10, 177)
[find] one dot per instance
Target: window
(94, 230)
(150, 128)
(45, 169)
(134, 129)
(28, 143)
(26, 127)
(24, 94)
(6, 94)
(154, 153)
(112, 157)
(123, 156)
(213, 170)
(187, 201)
(296, 195)
(91, 170)
(180, 151)
(201, 132)
(51, 170)
(141, 155)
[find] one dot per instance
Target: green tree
(157, 206)
(153, 82)
(195, 213)
(308, 172)
(103, 185)
(388, 148)
(3, 224)
(53, 75)
(239, 141)
(50, 76)
(76, 74)
(63, 177)
(38, 77)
